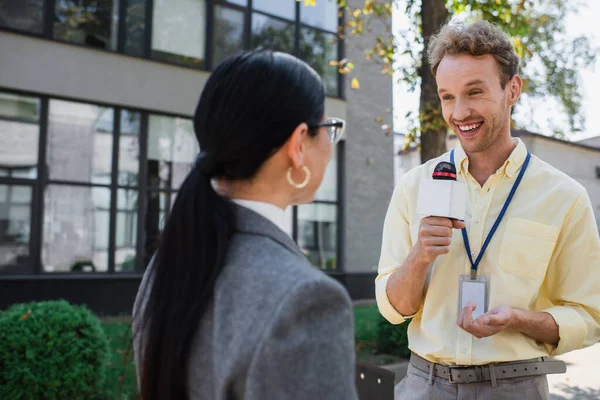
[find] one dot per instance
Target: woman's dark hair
(250, 106)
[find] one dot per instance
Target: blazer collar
(250, 222)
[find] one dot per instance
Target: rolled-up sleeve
(396, 244)
(573, 280)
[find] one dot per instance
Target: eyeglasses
(335, 128)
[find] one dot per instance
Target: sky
(541, 111)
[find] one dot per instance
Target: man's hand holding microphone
(443, 202)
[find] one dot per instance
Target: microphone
(443, 195)
(444, 171)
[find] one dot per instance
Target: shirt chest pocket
(527, 248)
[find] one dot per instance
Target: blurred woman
(229, 307)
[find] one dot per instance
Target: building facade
(96, 137)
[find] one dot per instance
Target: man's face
(474, 104)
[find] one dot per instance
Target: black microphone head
(444, 171)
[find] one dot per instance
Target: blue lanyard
(475, 265)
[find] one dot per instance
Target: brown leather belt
(489, 372)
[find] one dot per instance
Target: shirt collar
(510, 166)
(267, 210)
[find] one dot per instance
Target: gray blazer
(278, 328)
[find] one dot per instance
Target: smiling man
(529, 240)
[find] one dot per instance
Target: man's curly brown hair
(477, 39)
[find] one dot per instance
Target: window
(15, 228)
(228, 33)
(19, 135)
(93, 23)
(76, 229)
(179, 31)
(127, 203)
(273, 34)
(176, 31)
(23, 15)
(172, 149)
(135, 22)
(317, 234)
(317, 224)
(280, 8)
(323, 15)
(19, 140)
(77, 201)
(80, 138)
(129, 148)
(126, 230)
(318, 48)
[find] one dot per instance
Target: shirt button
(463, 350)
(473, 254)
(476, 188)
(477, 220)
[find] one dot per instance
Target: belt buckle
(450, 369)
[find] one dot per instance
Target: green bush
(51, 350)
(392, 339)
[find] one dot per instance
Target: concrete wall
(369, 157)
(38, 65)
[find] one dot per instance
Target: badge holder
(473, 291)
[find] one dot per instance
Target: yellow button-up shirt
(545, 256)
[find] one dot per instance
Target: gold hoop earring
(304, 182)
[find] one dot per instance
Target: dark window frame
(47, 33)
(42, 181)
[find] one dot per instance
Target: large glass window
(125, 256)
(80, 138)
(271, 33)
(280, 8)
(76, 229)
(228, 33)
(317, 234)
(323, 15)
(317, 225)
(318, 48)
(24, 15)
(179, 31)
(179, 28)
(126, 230)
(93, 22)
(129, 149)
(19, 141)
(172, 149)
(19, 135)
(135, 35)
(96, 210)
(15, 228)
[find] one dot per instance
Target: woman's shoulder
(263, 268)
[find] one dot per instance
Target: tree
(550, 61)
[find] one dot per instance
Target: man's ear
(515, 85)
(295, 145)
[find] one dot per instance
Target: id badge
(473, 291)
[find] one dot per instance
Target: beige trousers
(415, 386)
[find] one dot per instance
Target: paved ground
(582, 379)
